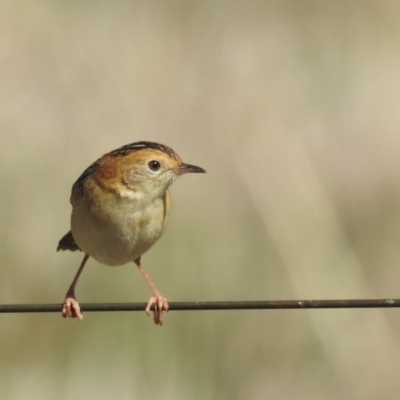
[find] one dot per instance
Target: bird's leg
(70, 308)
(159, 302)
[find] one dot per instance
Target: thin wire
(211, 305)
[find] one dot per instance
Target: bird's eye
(154, 165)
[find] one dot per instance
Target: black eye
(154, 165)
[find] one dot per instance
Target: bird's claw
(160, 304)
(71, 309)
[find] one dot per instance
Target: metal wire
(211, 305)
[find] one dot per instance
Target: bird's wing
(78, 188)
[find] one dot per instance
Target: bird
(120, 207)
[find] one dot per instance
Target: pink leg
(159, 302)
(71, 307)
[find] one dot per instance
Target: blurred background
(293, 109)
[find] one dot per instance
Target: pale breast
(120, 229)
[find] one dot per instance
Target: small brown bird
(120, 208)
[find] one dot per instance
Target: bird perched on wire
(120, 208)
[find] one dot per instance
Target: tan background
(293, 109)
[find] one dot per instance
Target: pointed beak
(186, 168)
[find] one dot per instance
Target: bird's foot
(160, 304)
(71, 309)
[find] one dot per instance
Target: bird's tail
(67, 242)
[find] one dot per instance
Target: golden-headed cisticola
(120, 208)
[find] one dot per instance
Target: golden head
(147, 168)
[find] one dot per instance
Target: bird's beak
(186, 168)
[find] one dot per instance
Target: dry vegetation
(293, 109)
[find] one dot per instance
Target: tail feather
(67, 242)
